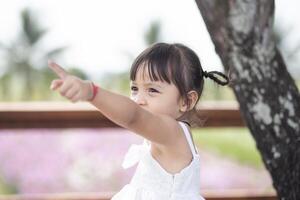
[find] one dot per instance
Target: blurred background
(98, 40)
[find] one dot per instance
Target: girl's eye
(133, 88)
(153, 90)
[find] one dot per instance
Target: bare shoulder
(179, 142)
(175, 157)
(174, 135)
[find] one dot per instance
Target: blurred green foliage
(5, 188)
(232, 142)
(24, 72)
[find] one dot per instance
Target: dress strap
(188, 137)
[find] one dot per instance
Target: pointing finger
(57, 69)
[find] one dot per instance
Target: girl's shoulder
(173, 158)
(180, 144)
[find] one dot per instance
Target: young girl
(166, 84)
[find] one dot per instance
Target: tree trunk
(242, 32)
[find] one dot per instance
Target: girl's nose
(139, 99)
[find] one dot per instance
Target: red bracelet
(95, 91)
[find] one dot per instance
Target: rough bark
(269, 100)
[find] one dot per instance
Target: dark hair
(178, 64)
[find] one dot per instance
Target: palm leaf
(153, 33)
(33, 31)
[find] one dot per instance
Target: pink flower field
(89, 160)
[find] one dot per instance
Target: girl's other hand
(70, 87)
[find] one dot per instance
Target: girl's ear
(193, 97)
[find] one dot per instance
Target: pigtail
(211, 76)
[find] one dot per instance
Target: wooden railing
(67, 115)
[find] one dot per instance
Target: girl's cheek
(133, 97)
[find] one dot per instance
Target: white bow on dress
(134, 154)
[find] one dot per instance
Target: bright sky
(101, 34)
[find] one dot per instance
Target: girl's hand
(71, 87)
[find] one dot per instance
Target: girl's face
(155, 96)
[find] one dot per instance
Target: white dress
(152, 182)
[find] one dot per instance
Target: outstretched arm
(120, 109)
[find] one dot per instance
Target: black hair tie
(205, 74)
(211, 75)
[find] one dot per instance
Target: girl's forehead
(142, 76)
(143, 73)
(146, 81)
